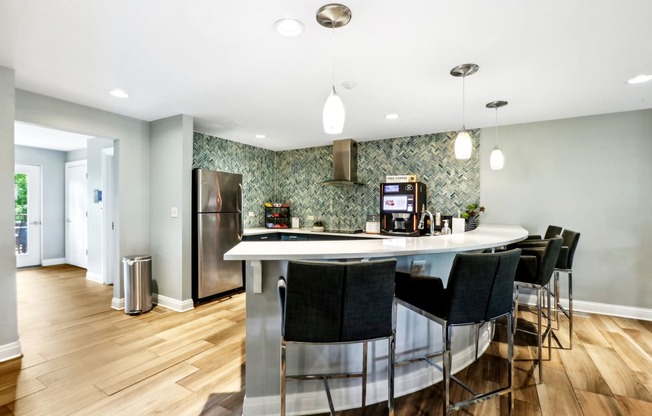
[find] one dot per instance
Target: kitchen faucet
(424, 211)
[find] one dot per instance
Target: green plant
(472, 211)
(318, 223)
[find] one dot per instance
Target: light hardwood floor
(83, 358)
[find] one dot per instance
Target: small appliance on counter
(399, 208)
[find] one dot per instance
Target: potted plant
(318, 226)
(472, 216)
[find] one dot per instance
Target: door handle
(68, 220)
(35, 223)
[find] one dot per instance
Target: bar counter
(266, 261)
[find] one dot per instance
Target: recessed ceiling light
(639, 79)
(119, 93)
(260, 136)
(391, 116)
(288, 27)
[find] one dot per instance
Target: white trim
(347, 397)
(118, 304)
(623, 311)
(94, 277)
(10, 351)
(53, 262)
(174, 304)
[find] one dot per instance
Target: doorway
(27, 196)
(76, 214)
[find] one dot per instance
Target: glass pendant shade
(463, 145)
(334, 114)
(496, 160)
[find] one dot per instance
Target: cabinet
(278, 216)
(262, 237)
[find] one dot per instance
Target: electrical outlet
(311, 217)
(174, 212)
(251, 214)
(418, 267)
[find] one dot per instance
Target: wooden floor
(83, 358)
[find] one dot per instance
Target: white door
(76, 214)
(27, 194)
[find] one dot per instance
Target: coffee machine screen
(398, 203)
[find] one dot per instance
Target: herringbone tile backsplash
(296, 176)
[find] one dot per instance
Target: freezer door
(217, 234)
(217, 191)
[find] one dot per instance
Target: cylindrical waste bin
(137, 284)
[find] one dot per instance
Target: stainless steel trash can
(137, 284)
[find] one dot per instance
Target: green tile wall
(295, 176)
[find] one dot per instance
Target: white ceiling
(45, 138)
(223, 63)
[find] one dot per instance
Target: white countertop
(485, 236)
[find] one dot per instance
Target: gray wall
(131, 153)
(52, 164)
(95, 221)
(75, 155)
(9, 345)
(171, 163)
(589, 174)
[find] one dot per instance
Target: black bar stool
(480, 289)
(534, 272)
(551, 231)
(338, 303)
(565, 265)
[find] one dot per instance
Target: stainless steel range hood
(345, 163)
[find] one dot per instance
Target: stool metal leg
(364, 376)
(283, 353)
(510, 357)
(539, 339)
(446, 364)
(570, 307)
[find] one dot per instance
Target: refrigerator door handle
(240, 209)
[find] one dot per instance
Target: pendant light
(496, 160)
(463, 145)
(333, 16)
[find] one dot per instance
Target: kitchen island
(266, 261)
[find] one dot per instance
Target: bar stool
(565, 265)
(338, 303)
(551, 231)
(480, 289)
(534, 272)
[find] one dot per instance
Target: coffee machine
(400, 204)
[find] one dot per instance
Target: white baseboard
(622, 311)
(118, 304)
(10, 351)
(52, 262)
(94, 277)
(173, 304)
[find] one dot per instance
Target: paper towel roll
(458, 225)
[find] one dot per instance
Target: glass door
(27, 196)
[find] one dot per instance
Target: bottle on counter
(445, 230)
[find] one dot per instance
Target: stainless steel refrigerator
(217, 227)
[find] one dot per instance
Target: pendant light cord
(496, 126)
(333, 26)
(463, 101)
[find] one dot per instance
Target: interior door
(76, 214)
(27, 196)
